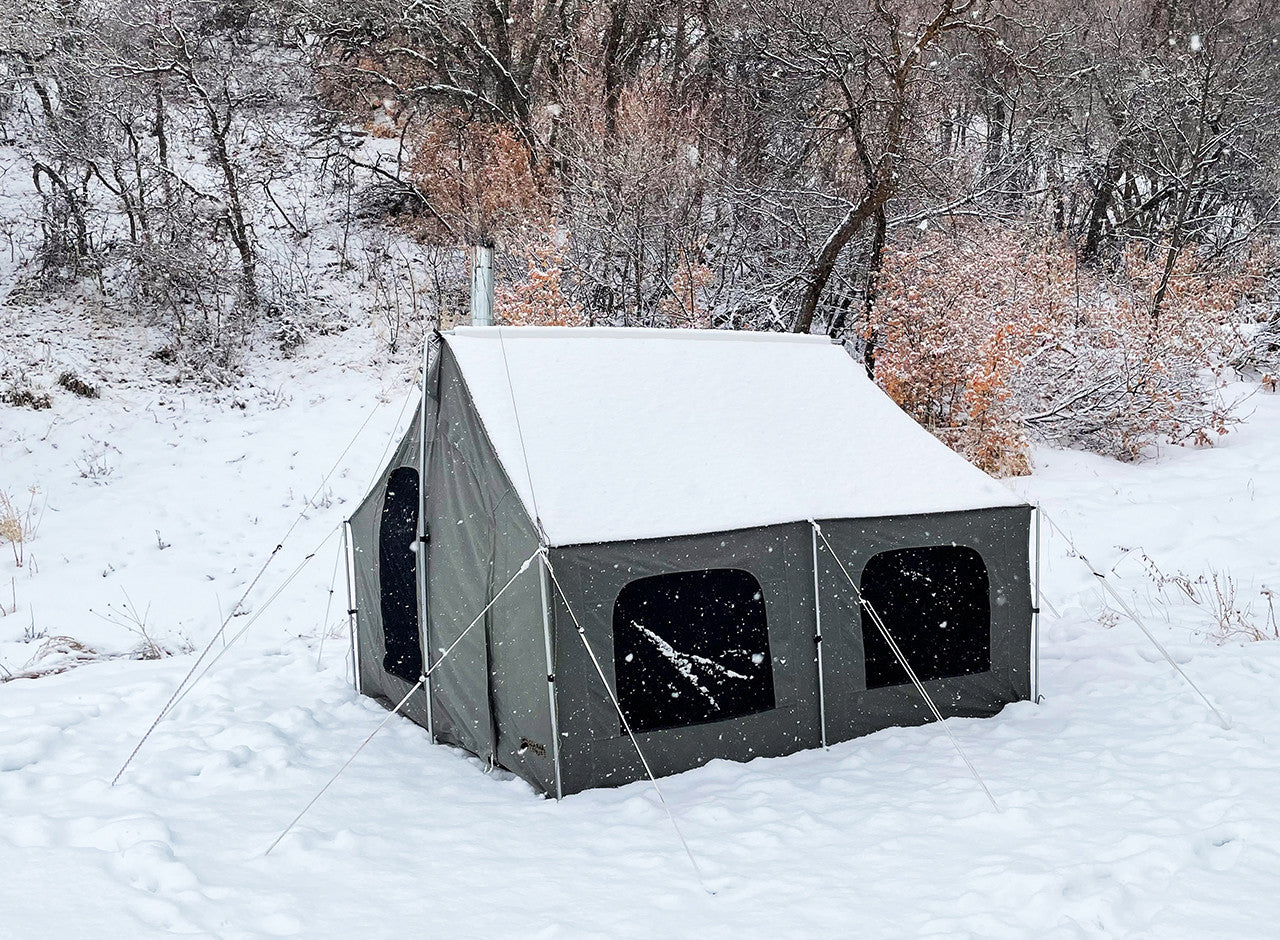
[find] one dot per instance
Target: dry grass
(18, 523)
(1231, 612)
(22, 396)
(57, 654)
(128, 617)
(77, 386)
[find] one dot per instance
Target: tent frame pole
(424, 632)
(348, 569)
(552, 705)
(1035, 619)
(817, 640)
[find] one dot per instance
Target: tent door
(398, 575)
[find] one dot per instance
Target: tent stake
(817, 640)
(551, 671)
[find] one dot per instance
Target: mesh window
(691, 647)
(936, 605)
(398, 575)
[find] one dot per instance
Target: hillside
(1126, 809)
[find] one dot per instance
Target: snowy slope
(1126, 810)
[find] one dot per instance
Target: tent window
(398, 575)
(691, 647)
(936, 605)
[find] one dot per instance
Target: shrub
(988, 334)
(477, 181)
(539, 299)
(22, 394)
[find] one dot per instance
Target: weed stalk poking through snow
(18, 524)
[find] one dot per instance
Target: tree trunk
(1098, 210)
(828, 255)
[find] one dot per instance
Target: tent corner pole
(424, 629)
(551, 671)
(817, 637)
(348, 569)
(1035, 618)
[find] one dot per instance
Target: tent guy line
(328, 604)
(898, 654)
(422, 680)
(1105, 589)
(354, 754)
(582, 634)
(546, 564)
(253, 619)
(239, 603)
(391, 436)
(524, 451)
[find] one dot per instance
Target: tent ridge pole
(552, 705)
(817, 638)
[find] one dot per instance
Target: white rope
(1105, 586)
(902, 660)
(251, 621)
(328, 604)
(391, 438)
(422, 679)
(546, 559)
(533, 496)
(391, 714)
(236, 607)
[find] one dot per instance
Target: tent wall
(1001, 537)
(365, 533)
(490, 695)
(491, 692)
(595, 750)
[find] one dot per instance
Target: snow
(1126, 809)
(634, 434)
(688, 664)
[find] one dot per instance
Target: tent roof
(639, 433)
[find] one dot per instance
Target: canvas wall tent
(672, 476)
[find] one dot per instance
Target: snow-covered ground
(1126, 809)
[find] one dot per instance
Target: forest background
(1040, 220)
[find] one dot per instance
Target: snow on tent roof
(641, 433)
